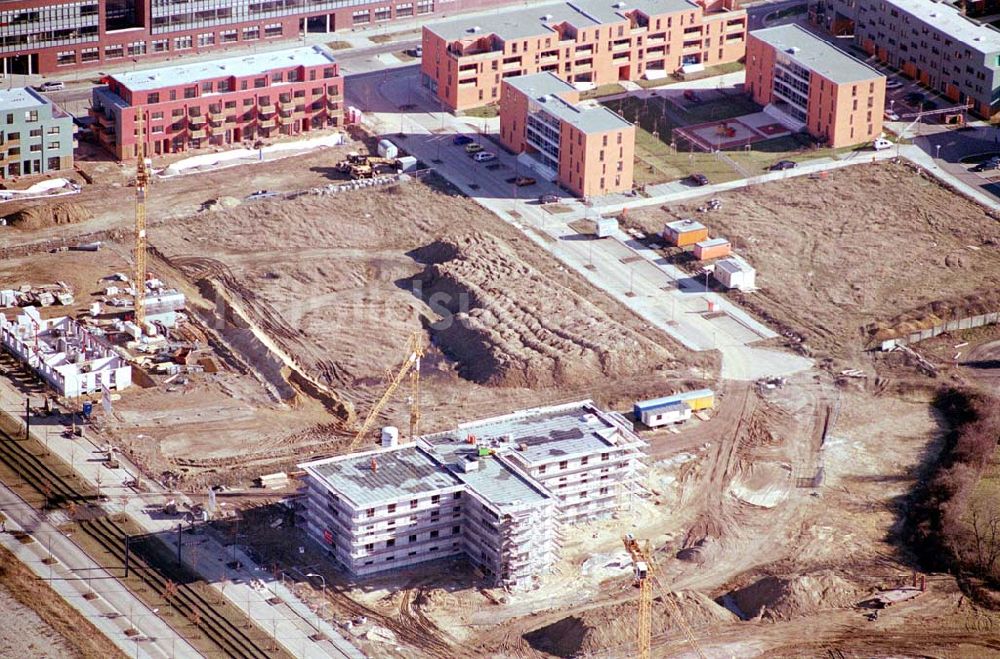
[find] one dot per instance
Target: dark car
(522, 181)
(462, 140)
(698, 179)
(692, 95)
(986, 165)
(916, 98)
(783, 164)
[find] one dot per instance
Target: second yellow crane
(410, 367)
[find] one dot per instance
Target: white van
(483, 156)
(881, 144)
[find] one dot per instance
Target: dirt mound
(935, 313)
(502, 332)
(610, 630)
(40, 217)
(776, 598)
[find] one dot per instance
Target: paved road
(291, 622)
(74, 574)
(623, 267)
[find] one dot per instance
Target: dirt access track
(862, 245)
(310, 302)
(320, 292)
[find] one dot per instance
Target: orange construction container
(713, 248)
(685, 232)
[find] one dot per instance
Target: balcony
(286, 105)
(270, 108)
(199, 134)
(268, 123)
(216, 117)
(286, 121)
(198, 120)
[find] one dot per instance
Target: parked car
(484, 156)
(51, 86)
(916, 98)
(986, 165)
(417, 52)
(473, 147)
(548, 199)
(522, 181)
(691, 95)
(461, 140)
(698, 179)
(783, 164)
(261, 194)
(893, 83)
(890, 115)
(881, 144)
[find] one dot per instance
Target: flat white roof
(240, 67)
(712, 242)
(734, 264)
(680, 226)
(813, 53)
(21, 98)
(947, 19)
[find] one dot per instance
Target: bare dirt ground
(337, 284)
(782, 507)
(36, 622)
(863, 245)
(27, 635)
(307, 304)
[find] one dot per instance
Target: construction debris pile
(43, 296)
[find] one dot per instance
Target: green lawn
(483, 112)
(655, 162)
(603, 90)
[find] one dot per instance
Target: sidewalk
(290, 623)
(74, 575)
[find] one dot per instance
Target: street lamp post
(321, 578)
(937, 154)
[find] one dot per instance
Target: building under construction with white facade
(73, 359)
(496, 490)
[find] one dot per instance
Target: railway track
(223, 633)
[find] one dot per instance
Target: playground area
(678, 134)
(732, 133)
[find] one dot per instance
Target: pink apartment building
(586, 147)
(582, 41)
(812, 86)
(222, 102)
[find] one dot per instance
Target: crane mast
(141, 181)
(410, 367)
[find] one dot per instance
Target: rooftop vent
(475, 28)
(547, 17)
(619, 5)
(793, 50)
(470, 463)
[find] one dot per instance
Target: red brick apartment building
(582, 41)
(808, 84)
(46, 36)
(586, 147)
(227, 101)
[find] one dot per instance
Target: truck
(364, 166)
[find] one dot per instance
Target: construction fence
(969, 322)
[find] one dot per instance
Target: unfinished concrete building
(70, 358)
(495, 490)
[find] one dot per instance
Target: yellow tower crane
(141, 181)
(644, 569)
(410, 367)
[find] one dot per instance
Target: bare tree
(985, 518)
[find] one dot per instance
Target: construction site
(393, 389)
